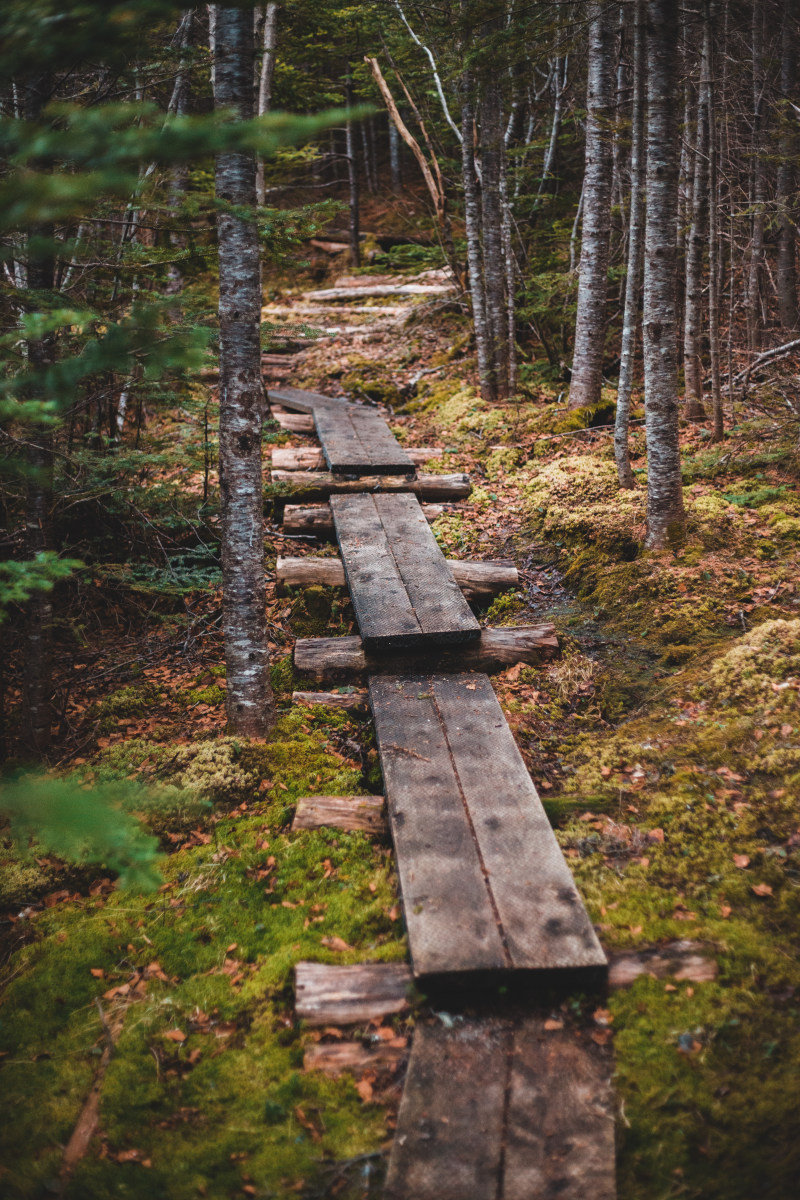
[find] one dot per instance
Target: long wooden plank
(448, 912)
(504, 1110)
(387, 546)
(478, 797)
(448, 1144)
(432, 589)
(326, 994)
(357, 441)
(300, 400)
(320, 485)
(544, 922)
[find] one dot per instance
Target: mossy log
(479, 581)
(319, 485)
(316, 520)
(329, 659)
(309, 458)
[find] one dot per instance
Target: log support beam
(479, 581)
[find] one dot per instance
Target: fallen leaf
(602, 1036)
(605, 772)
(762, 889)
(741, 861)
(230, 949)
(175, 1035)
(725, 910)
(655, 835)
(98, 972)
(364, 1089)
(336, 943)
(552, 1024)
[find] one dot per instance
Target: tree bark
(590, 321)
(472, 219)
(695, 254)
(665, 513)
(491, 122)
(635, 253)
(394, 157)
(250, 705)
(709, 85)
(759, 196)
(786, 280)
(352, 178)
(266, 75)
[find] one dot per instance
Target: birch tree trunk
(695, 254)
(665, 513)
(756, 266)
(635, 253)
(250, 705)
(492, 212)
(394, 157)
(787, 174)
(472, 221)
(269, 46)
(590, 321)
(352, 178)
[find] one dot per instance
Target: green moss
(132, 701)
(504, 607)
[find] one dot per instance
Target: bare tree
(665, 514)
(695, 256)
(472, 220)
(269, 45)
(250, 705)
(786, 184)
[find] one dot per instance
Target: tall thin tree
(695, 255)
(665, 513)
(786, 273)
(250, 705)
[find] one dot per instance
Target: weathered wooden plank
(449, 1138)
(545, 925)
(349, 700)
(316, 520)
(309, 458)
(504, 1110)
(300, 400)
(358, 441)
(352, 813)
(380, 600)
(353, 1058)
(448, 911)
(331, 660)
(479, 581)
(321, 485)
(351, 995)
(559, 1136)
(435, 596)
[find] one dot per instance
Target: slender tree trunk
(179, 104)
(787, 173)
(665, 513)
(394, 157)
(511, 274)
(250, 705)
(352, 178)
(559, 90)
(635, 254)
(493, 265)
(269, 44)
(709, 86)
(756, 266)
(472, 220)
(590, 323)
(695, 254)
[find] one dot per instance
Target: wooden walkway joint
(355, 439)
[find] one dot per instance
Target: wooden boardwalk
(355, 439)
(402, 588)
(486, 889)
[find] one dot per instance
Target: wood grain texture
(457, 788)
(352, 813)
(402, 589)
(504, 1110)
(320, 485)
(479, 581)
(357, 441)
(352, 701)
(300, 400)
(294, 422)
(353, 1058)
(309, 458)
(316, 520)
(351, 995)
(331, 660)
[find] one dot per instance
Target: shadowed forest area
(544, 254)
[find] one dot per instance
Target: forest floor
(665, 742)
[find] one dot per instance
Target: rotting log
(352, 813)
(294, 423)
(316, 520)
(330, 659)
(309, 458)
(352, 701)
(479, 581)
(319, 485)
(354, 1058)
(350, 995)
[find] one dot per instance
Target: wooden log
(309, 458)
(352, 701)
(362, 814)
(294, 423)
(316, 520)
(320, 485)
(479, 581)
(397, 289)
(353, 1058)
(330, 659)
(352, 995)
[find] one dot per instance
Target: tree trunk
(493, 264)
(394, 157)
(472, 220)
(269, 43)
(787, 175)
(635, 252)
(352, 178)
(695, 254)
(179, 104)
(665, 514)
(590, 322)
(709, 85)
(756, 266)
(250, 705)
(511, 274)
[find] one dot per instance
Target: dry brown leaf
(552, 1024)
(175, 1035)
(336, 943)
(741, 861)
(761, 889)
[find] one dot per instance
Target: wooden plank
(435, 595)
(352, 813)
(449, 1138)
(352, 701)
(559, 1137)
(352, 995)
(379, 596)
(321, 485)
(475, 801)
(309, 458)
(448, 911)
(338, 659)
(357, 441)
(479, 581)
(294, 422)
(504, 1110)
(353, 1058)
(300, 400)
(544, 922)
(316, 520)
